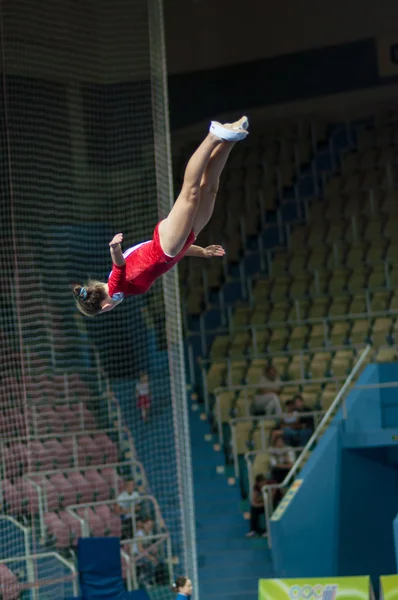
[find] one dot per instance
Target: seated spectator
(266, 401)
(257, 506)
(300, 407)
(288, 425)
(126, 502)
(296, 430)
(145, 552)
(282, 458)
(306, 424)
(290, 417)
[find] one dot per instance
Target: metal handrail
(283, 384)
(299, 462)
(74, 435)
(158, 539)
(254, 453)
(42, 492)
(127, 558)
(312, 413)
(85, 528)
(65, 434)
(281, 353)
(294, 322)
(268, 356)
(35, 584)
(26, 534)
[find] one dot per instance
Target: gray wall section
(205, 34)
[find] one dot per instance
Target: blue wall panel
(340, 522)
(368, 505)
(311, 520)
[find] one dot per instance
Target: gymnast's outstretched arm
(208, 252)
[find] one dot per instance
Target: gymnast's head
(92, 298)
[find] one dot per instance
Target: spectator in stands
(290, 417)
(282, 458)
(145, 551)
(307, 427)
(257, 506)
(143, 395)
(266, 401)
(288, 425)
(126, 502)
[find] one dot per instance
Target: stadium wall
(275, 80)
(203, 34)
(369, 491)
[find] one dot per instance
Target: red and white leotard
(144, 264)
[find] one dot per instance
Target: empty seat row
(66, 530)
(64, 452)
(20, 496)
(380, 331)
(60, 418)
(289, 367)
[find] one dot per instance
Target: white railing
(102, 382)
(159, 540)
(340, 399)
(34, 584)
(26, 534)
(250, 458)
(252, 329)
(246, 389)
(261, 422)
(38, 415)
(84, 522)
(137, 472)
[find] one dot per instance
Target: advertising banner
(389, 587)
(329, 588)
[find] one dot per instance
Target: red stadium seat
(9, 585)
(99, 485)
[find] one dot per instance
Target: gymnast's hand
(211, 251)
(118, 239)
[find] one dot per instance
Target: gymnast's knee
(191, 194)
(209, 187)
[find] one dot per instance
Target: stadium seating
(310, 298)
(73, 455)
(9, 584)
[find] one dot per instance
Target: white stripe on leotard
(119, 295)
(130, 250)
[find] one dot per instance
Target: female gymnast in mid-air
(137, 269)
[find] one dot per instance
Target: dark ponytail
(179, 583)
(89, 297)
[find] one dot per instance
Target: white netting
(84, 155)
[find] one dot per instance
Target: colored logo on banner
(389, 587)
(288, 497)
(333, 588)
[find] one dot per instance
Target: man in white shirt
(266, 401)
(127, 501)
